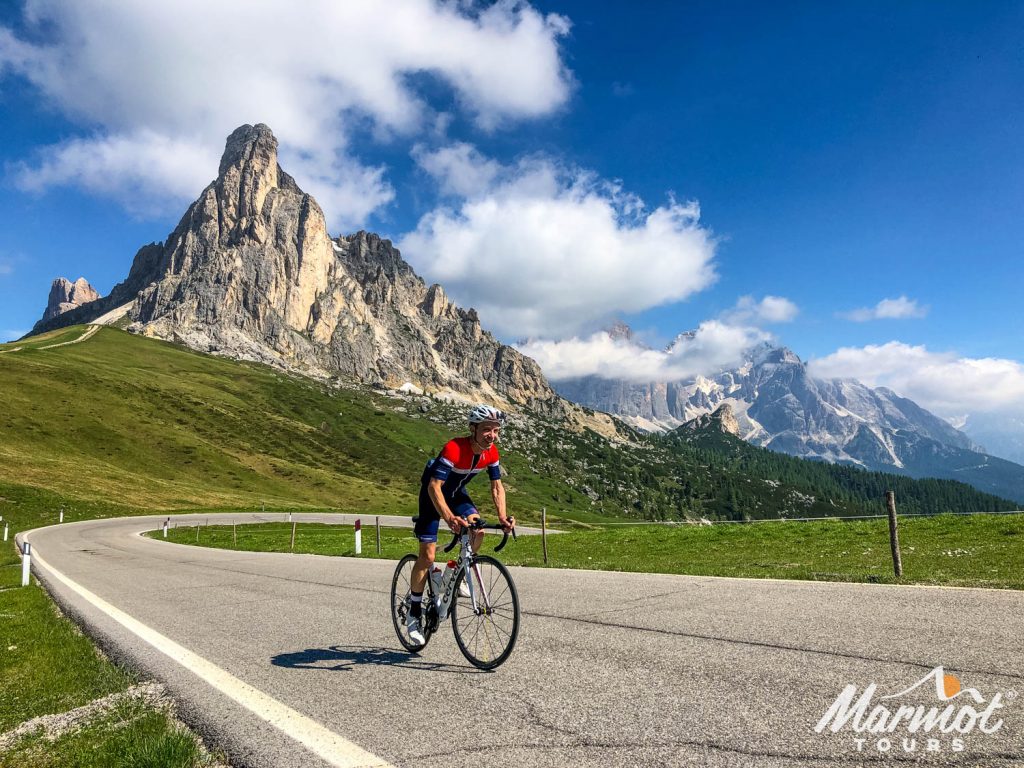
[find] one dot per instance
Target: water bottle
(449, 572)
(437, 580)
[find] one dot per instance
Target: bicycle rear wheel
(400, 589)
(487, 632)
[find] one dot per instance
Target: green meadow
(131, 424)
(947, 550)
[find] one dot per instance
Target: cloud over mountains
(155, 80)
(945, 383)
(543, 249)
(712, 347)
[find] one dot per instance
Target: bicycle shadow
(345, 658)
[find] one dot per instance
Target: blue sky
(842, 155)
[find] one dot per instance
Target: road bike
(476, 591)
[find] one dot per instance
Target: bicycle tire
(487, 637)
(400, 584)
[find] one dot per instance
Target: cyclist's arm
(437, 497)
(498, 495)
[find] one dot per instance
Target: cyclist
(443, 497)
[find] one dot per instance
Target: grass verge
(949, 550)
(132, 736)
(48, 667)
(34, 638)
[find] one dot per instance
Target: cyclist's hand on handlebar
(455, 523)
(508, 524)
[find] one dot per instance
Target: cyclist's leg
(418, 579)
(425, 530)
(464, 507)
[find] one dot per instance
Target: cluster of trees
(718, 476)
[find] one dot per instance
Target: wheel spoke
(486, 632)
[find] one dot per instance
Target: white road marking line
(319, 740)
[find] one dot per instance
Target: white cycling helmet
(481, 413)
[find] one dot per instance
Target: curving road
(291, 660)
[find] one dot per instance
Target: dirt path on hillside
(89, 333)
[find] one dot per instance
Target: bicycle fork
(482, 602)
(478, 596)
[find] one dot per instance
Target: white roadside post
(61, 519)
(26, 563)
(5, 531)
(359, 537)
(165, 527)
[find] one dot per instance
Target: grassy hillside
(147, 425)
(121, 422)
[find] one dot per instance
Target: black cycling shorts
(428, 519)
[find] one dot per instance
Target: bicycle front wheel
(400, 590)
(485, 624)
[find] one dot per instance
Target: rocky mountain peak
(767, 353)
(722, 419)
(619, 330)
(250, 272)
(66, 296)
(249, 146)
(680, 338)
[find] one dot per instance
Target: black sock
(416, 604)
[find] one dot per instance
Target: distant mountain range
(777, 405)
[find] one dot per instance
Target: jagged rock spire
(251, 272)
(66, 296)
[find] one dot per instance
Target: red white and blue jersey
(456, 465)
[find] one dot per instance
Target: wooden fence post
(293, 535)
(894, 537)
(544, 532)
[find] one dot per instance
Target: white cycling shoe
(412, 624)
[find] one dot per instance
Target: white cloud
(711, 348)
(770, 309)
(146, 172)
(148, 76)
(460, 169)
(887, 309)
(942, 382)
(545, 250)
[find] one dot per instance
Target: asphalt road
(610, 669)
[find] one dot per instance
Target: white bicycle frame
(467, 566)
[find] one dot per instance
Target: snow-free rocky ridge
(66, 296)
(251, 272)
